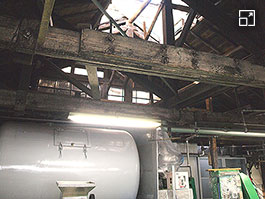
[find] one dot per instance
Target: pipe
(188, 152)
(109, 17)
(173, 181)
(218, 132)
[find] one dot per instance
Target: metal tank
(34, 156)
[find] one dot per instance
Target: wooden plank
(45, 19)
(142, 57)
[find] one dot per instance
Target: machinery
(34, 156)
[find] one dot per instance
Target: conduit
(200, 131)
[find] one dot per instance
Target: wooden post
(213, 153)
(168, 23)
(45, 19)
(93, 81)
(209, 104)
(128, 87)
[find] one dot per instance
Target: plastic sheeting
(168, 154)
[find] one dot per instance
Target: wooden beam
(45, 19)
(190, 93)
(168, 23)
(93, 80)
(67, 77)
(137, 56)
(225, 24)
(148, 85)
(205, 42)
(154, 21)
(44, 102)
(139, 11)
(180, 41)
(180, 8)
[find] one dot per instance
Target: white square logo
(247, 18)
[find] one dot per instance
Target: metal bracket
(85, 151)
(60, 148)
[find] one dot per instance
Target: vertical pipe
(173, 181)
(188, 152)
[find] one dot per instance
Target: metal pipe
(173, 181)
(188, 152)
(218, 132)
(109, 17)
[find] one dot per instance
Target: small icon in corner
(247, 18)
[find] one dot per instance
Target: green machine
(226, 183)
(249, 190)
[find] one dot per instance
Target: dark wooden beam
(168, 23)
(180, 8)
(148, 85)
(205, 42)
(44, 102)
(180, 41)
(67, 77)
(137, 56)
(190, 93)
(224, 23)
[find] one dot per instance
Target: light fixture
(112, 121)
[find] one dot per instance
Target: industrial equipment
(226, 183)
(34, 156)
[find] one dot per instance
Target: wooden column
(45, 19)
(209, 104)
(93, 81)
(168, 23)
(213, 153)
(128, 87)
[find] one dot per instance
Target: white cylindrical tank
(34, 156)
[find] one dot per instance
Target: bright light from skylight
(120, 8)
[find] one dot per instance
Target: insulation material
(168, 153)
